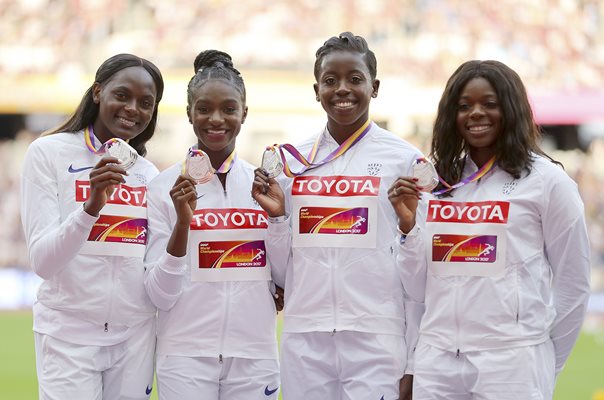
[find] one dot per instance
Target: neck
(342, 132)
(216, 157)
(481, 156)
(100, 133)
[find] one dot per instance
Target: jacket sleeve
(52, 243)
(412, 267)
(567, 250)
(164, 273)
(278, 245)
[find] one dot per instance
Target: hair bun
(212, 58)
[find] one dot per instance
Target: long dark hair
(88, 110)
(520, 136)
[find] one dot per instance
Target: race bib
(467, 238)
(335, 211)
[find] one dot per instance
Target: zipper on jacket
(111, 294)
(456, 313)
(333, 290)
(457, 354)
(224, 319)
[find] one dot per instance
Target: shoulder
(307, 143)
(548, 170)
(57, 141)
(165, 179)
(386, 138)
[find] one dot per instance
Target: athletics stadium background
(50, 49)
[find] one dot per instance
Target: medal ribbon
(474, 177)
(224, 167)
(309, 163)
(91, 145)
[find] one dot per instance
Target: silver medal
(122, 151)
(425, 173)
(271, 163)
(198, 167)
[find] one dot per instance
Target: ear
(244, 115)
(96, 93)
(189, 115)
(376, 87)
(316, 87)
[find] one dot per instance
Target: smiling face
(126, 104)
(345, 88)
(479, 119)
(216, 113)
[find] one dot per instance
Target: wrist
(277, 219)
(90, 210)
(405, 227)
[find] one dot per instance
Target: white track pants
(119, 372)
(206, 378)
(526, 373)
(345, 365)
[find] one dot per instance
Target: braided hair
(346, 41)
(214, 64)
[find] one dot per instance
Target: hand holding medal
(109, 171)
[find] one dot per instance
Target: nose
(342, 88)
(130, 106)
(477, 111)
(216, 117)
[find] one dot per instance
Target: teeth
(127, 122)
(216, 131)
(344, 104)
(479, 128)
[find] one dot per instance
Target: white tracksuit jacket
(205, 319)
(331, 289)
(84, 299)
(543, 287)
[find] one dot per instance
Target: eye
(491, 105)
(230, 110)
(329, 81)
(356, 80)
(202, 110)
(120, 95)
(147, 104)
(463, 107)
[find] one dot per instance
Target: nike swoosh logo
(268, 392)
(148, 390)
(200, 196)
(73, 170)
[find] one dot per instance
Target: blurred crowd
(549, 42)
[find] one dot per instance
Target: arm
(567, 250)
(52, 243)
(405, 197)
(269, 195)
(165, 257)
